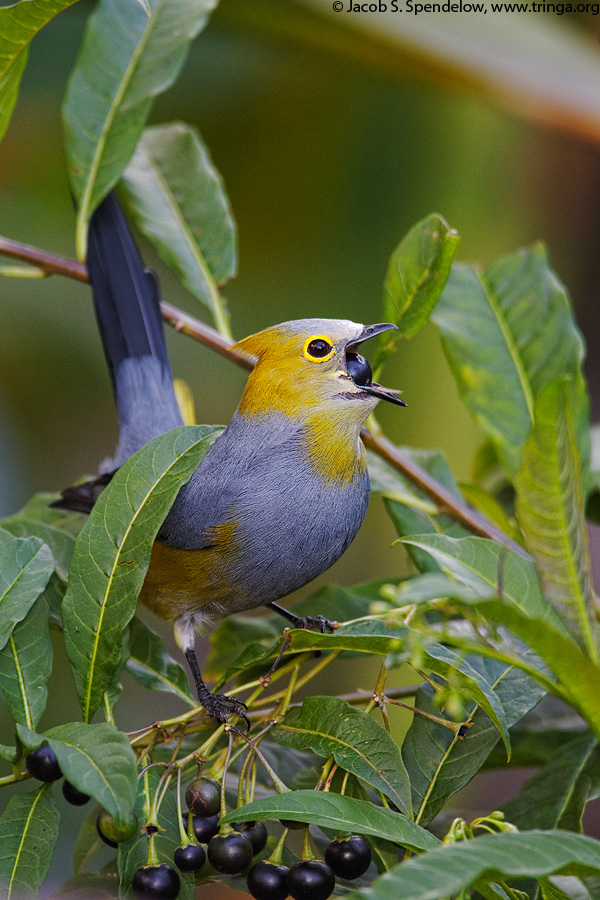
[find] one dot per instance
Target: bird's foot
(219, 707)
(320, 623)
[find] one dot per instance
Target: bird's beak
(375, 389)
(383, 393)
(370, 331)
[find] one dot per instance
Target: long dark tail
(127, 308)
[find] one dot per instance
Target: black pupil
(359, 369)
(319, 348)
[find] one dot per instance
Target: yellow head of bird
(311, 366)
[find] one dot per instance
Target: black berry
(155, 883)
(230, 853)
(267, 881)
(43, 764)
(190, 858)
(349, 858)
(203, 797)
(359, 369)
(73, 795)
(111, 832)
(293, 826)
(310, 879)
(256, 832)
(204, 827)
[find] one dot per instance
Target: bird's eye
(318, 349)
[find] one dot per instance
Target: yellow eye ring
(318, 348)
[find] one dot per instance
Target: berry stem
(276, 856)
(184, 837)
(153, 859)
(306, 848)
(280, 787)
(227, 828)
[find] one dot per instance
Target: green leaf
(362, 637)
(38, 509)
(578, 678)
(483, 565)
(53, 594)
(416, 275)
(234, 633)
(26, 664)
(10, 754)
(134, 853)
(532, 749)
(341, 813)
(551, 512)
(96, 759)
(507, 332)
(151, 666)
(550, 891)
(359, 744)
(88, 844)
(18, 25)
(28, 835)
(112, 555)
(409, 520)
(473, 683)
(127, 58)
(446, 871)
(437, 763)
(434, 586)
(555, 797)
(179, 202)
(26, 564)
(60, 541)
(98, 886)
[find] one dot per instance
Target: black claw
(319, 622)
(219, 707)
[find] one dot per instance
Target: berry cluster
(229, 852)
(310, 879)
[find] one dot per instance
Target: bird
(280, 494)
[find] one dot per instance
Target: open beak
(383, 393)
(364, 381)
(370, 331)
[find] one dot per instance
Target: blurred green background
(330, 151)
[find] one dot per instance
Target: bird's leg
(218, 706)
(319, 622)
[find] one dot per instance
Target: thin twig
(445, 501)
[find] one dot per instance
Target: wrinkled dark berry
(112, 833)
(267, 881)
(349, 858)
(256, 832)
(43, 764)
(73, 795)
(310, 879)
(204, 827)
(230, 853)
(190, 858)
(155, 883)
(203, 797)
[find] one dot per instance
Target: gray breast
(290, 525)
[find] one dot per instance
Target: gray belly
(292, 537)
(288, 524)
